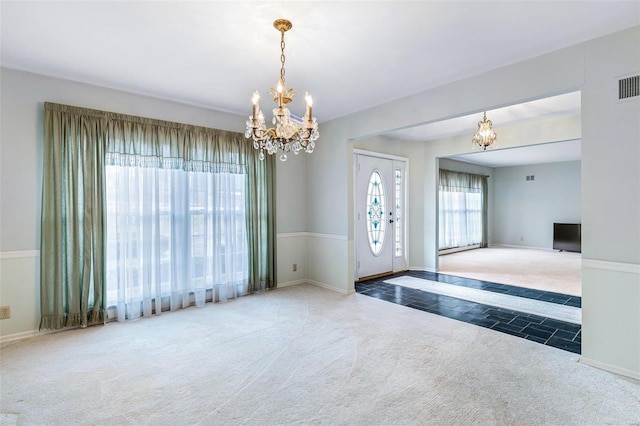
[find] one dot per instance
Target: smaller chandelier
(485, 137)
(291, 133)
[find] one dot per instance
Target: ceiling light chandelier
(485, 137)
(291, 133)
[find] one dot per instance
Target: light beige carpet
(303, 355)
(547, 270)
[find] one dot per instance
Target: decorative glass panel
(398, 214)
(375, 213)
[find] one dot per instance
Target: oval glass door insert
(375, 213)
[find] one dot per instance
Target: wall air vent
(629, 87)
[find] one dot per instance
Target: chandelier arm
(262, 135)
(305, 134)
(256, 135)
(271, 133)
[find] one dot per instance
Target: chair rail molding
(631, 268)
(19, 254)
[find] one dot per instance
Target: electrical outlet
(295, 267)
(5, 312)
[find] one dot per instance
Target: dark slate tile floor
(551, 332)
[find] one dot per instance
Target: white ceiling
(348, 55)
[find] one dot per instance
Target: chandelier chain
(282, 57)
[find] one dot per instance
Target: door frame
(405, 190)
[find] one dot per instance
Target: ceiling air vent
(629, 87)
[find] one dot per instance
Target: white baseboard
(290, 283)
(458, 249)
(23, 335)
(610, 368)
(316, 283)
(522, 247)
(330, 287)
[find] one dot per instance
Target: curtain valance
(451, 181)
(147, 142)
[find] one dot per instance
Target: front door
(380, 242)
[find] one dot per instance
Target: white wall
(610, 155)
(524, 211)
(611, 207)
(21, 136)
(291, 220)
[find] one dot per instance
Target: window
(460, 219)
(462, 213)
(398, 213)
(173, 233)
(375, 213)
(185, 214)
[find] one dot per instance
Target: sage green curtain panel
(79, 144)
(261, 222)
(72, 235)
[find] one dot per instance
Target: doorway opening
(527, 194)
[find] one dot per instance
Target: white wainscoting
(20, 278)
(292, 249)
(321, 260)
(611, 316)
(328, 264)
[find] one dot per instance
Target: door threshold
(371, 277)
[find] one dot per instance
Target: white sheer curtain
(174, 238)
(462, 209)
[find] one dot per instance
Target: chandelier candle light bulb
(290, 134)
(256, 104)
(279, 94)
(309, 100)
